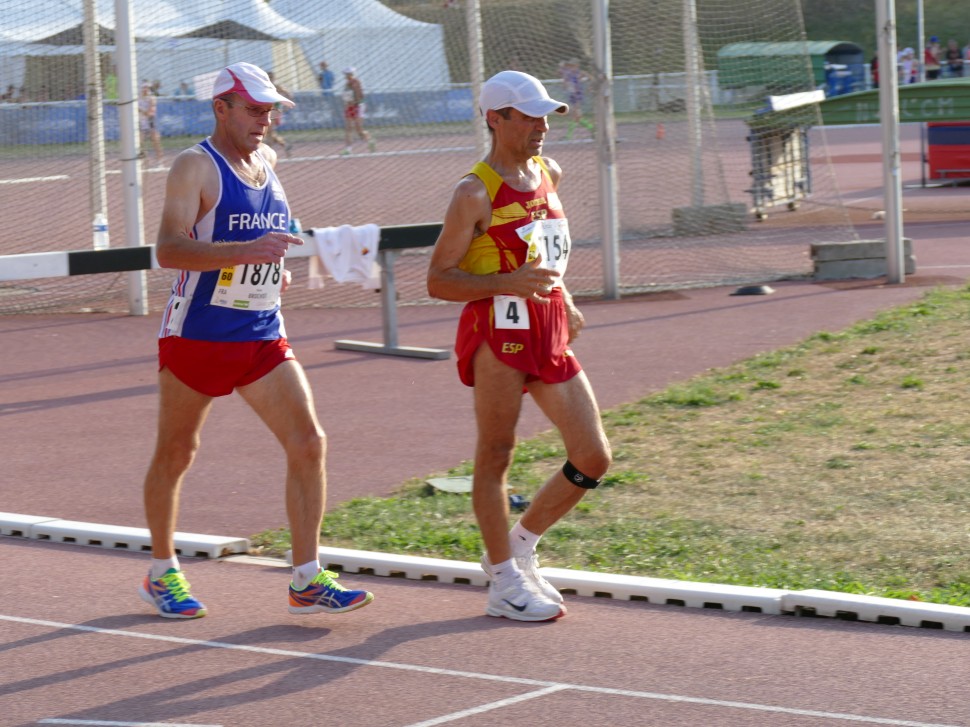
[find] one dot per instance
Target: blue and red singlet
(239, 303)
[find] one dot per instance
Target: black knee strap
(578, 478)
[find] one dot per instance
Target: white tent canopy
(244, 19)
(179, 39)
(223, 33)
(36, 21)
(33, 22)
(390, 51)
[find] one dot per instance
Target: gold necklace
(253, 178)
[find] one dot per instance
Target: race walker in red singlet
(528, 336)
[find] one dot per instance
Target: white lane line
(489, 707)
(27, 180)
(100, 723)
(262, 650)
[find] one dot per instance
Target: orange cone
(661, 132)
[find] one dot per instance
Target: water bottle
(295, 227)
(101, 232)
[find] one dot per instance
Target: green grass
(839, 463)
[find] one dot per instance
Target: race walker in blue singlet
(239, 303)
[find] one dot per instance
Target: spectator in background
(111, 85)
(273, 136)
(573, 80)
(907, 66)
(874, 71)
(326, 79)
(353, 97)
(953, 58)
(184, 92)
(147, 110)
(932, 55)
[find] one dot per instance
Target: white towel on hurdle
(348, 254)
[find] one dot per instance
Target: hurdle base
(436, 354)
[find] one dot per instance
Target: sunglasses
(257, 111)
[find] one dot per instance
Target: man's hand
(574, 319)
(532, 282)
(269, 249)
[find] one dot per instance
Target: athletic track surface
(77, 415)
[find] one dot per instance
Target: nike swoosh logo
(520, 609)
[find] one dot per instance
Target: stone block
(857, 259)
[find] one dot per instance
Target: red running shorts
(216, 368)
(541, 351)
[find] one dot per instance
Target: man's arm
(469, 213)
(189, 193)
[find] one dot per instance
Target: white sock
(522, 541)
(504, 572)
(303, 574)
(161, 566)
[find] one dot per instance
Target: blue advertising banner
(65, 122)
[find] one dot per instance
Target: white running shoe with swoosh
(529, 566)
(520, 600)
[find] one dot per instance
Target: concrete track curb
(769, 601)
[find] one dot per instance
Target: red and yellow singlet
(525, 335)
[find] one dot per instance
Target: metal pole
(476, 70)
(606, 145)
(921, 49)
(692, 98)
(130, 151)
(94, 95)
(889, 117)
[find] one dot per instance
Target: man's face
(520, 132)
(246, 122)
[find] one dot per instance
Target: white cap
(520, 91)
(250, 82)
(350, 70)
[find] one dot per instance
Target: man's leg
(498, 401)
(182, 412)
(283, 400)
(571, 407)
(348, 129)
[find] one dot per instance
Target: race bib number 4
(248, 287)
(510, 312)
(549, 239)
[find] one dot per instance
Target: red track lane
(88, 651)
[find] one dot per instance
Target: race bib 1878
(248, 287)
